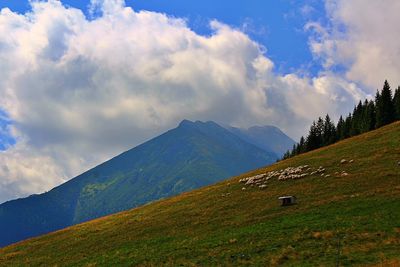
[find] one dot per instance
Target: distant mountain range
(268, 138)
(190, 156)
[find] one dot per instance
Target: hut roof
(286, 197)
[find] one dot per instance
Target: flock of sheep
(290, 173)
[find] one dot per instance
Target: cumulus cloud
(24, 172)
(361, 37)
(80, 90)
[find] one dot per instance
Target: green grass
(209, 227)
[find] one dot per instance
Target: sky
(82, 81)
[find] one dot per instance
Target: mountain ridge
(267, 137)
(192, 155)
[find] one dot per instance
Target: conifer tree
(294, 151)
(370, 116)
(329, 132)
(312, 138)
(385, 112)
(377, 98)
(364, 124)
(320, 132)
(347, 126)
(340, 129)
(301, 148)
(286, 155)
(396, 102)
(356, 119)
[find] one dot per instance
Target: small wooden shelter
(288, 200)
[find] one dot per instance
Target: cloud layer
(80, 90)
(363, 37)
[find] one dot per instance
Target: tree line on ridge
(367, 116)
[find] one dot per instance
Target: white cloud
(361, 37)
(81, 90)
(24, 172)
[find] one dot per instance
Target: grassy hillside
(357, 214)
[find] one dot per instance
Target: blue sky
(276, 24)
(6, 139)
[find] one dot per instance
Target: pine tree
(358, 119)
(312, 138)
(294, 151)
(378, 107)
(364, 124)
(370, 116)
(347, 126)
(329, 132)
(286, 155)
(340, 129)
(385, 112)
(396, 102)
(320, 132)
(301, 148)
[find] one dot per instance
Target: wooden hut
(288, 200)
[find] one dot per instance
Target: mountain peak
(185, 122)
(197, 123)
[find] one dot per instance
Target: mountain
(346, 216)
(192, 155)
(269, 138)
